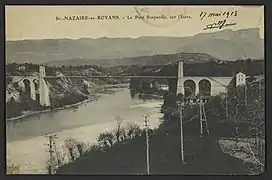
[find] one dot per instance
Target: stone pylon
(44, 90)
(180, 88)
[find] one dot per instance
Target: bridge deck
(155, 77)
(124, 77)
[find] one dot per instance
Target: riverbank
(26, 141)
(31, 113)
(94, 97)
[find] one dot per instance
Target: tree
(106, 139)
(134, 130)
(252, 116)
(119, 131)
(70, 145)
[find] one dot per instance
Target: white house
(240, 79)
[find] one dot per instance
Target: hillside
(225, 45)
(222, 151)
(159, 59)
(202, 155)
(213, 68)
(63, 92)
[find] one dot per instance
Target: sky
(39, 22)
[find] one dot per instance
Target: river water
(26, 141)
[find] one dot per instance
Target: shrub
(106, 139)
(134, 130)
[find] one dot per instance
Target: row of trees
(28, 68)
(210, 68)
(144, 87)
(228, 68)
(72, 150)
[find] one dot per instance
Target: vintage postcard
(135, 90)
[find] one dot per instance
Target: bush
(134, 130)
(106, 139)
(94, 148)
(68, 99)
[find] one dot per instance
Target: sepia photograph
(135, 90)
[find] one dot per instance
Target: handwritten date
(225, 14)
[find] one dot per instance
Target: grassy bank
(202, 155)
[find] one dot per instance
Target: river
(26, 141)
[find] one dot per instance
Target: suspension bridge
(210, 85)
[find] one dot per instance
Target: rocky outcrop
(12, 93)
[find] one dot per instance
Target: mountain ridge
(224, 45)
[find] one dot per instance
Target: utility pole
(235, 120)
(50, 154)
(246, 95)
(202, 117)
(259, 116)
(147, 145)
(227, 110)
(51, 151)
(181, 130)
(260, 93)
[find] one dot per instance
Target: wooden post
(57, 155)
(205, 119)
(50, 138)
(147, 145)
(200, 117)
(181, 131)
(246, 95)
(51, 151)
(260, 94)
(227, 111)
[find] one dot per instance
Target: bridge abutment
(32, 91)
(180, 81)
(44, 90)
(216, 84)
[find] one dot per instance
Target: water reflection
(103, 110)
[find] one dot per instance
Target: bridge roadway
(128, 77)
(146, 77)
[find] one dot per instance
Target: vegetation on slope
(202, 155)
(128, 157)
(63, 92)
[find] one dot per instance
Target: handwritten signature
(219, 25)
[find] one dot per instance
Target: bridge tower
(44, 90)
(180, 88)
